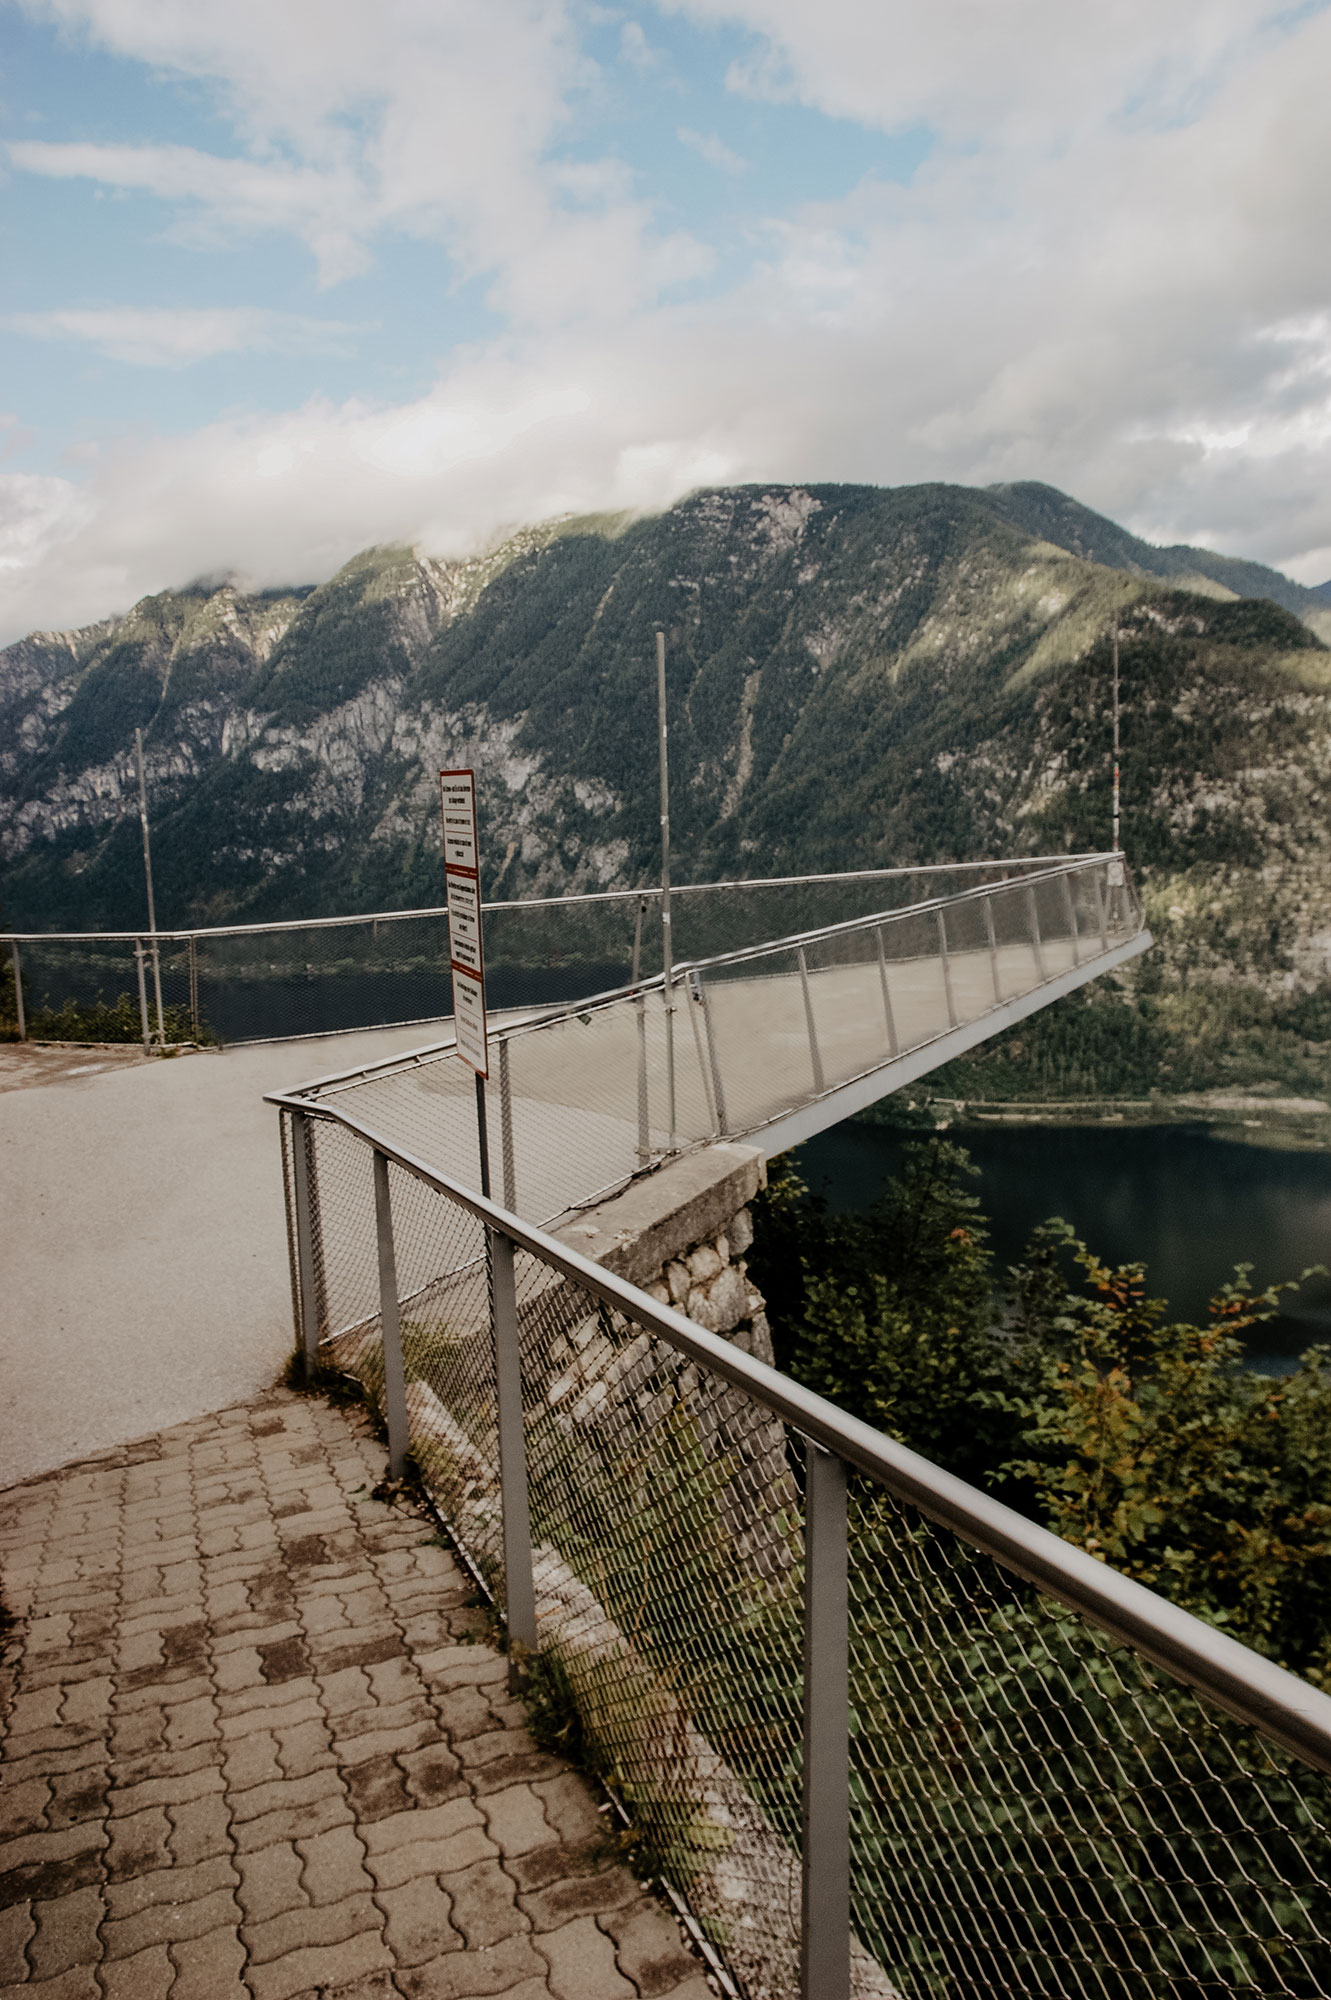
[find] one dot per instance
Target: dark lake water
(1188, 1204)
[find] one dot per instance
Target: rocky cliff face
(857, 677)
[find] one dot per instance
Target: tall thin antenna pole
(667, 938)
(148, 875)
(1116, 735)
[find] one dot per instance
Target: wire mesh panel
(759, 1026)
(1037, 1811)
(89, 991)
(269, 984)
(1034, 1808)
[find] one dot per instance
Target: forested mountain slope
(857, 676)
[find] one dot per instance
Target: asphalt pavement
(143, 1261)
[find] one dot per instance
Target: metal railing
(749, 1041)
(886, 1737)
(388, 968)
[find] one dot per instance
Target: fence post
(893, 1045)
(1035, 936)
(1071, 909)
(640, 1008)
(390, 1323)
(825, 1927)
(519, 1584)
(1100, 910)
(509, 1162)
(301, 1147)
(18, 992)
(814, 1057)
(718, 1091)
(947, 969)
(143, 998)
(193, 988)
(992, 936)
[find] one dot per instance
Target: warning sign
(462, 879)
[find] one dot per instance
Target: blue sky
(285, 278)
(77, 246)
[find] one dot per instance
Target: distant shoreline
(1245, 1117)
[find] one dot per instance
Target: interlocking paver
(648, 1949)
(252, 1755)
(270, 1882)
(582, 1963)
(484, 1904)
(419, 1925)
(210, 1967)
(514, 1968)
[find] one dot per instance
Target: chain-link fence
(585, 1097)
(885, 1736)
(273, 982)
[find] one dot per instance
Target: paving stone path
(251, 1755)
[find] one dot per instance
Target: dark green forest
(1062, 1386)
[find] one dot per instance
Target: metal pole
(825, 1930)
(893, 1045)
(992, 936)
(947, 969)
(1035, 935)
(704, 1075)
(193, 988)
(815, 1059)
(667, 936)
(390, 1324)
(640, 1008)
(1116, 735)
(519, 1583)
(18, 993)
(718, 1092)
(143, 998)
(1116, 800)
(506, 1129)
(148, 877)
(482, 1135)
(1100, 910)
(301, 1142)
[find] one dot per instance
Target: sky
(283, 278)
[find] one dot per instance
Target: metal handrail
(538, 902)
(1264, 1696)
(539, 1018)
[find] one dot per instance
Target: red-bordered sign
(462, 882)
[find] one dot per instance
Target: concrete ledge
(665, 1214)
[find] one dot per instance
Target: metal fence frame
(1282, 1708)
(147, 943)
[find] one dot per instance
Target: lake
(1187, 1203)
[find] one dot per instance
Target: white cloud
(713, 150)
(1108, 274)
(328, 206)
(636, 50)
(173, 337)
(1024, 71)
(435, 118)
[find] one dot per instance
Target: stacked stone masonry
(257, 1748)
(682, 1234)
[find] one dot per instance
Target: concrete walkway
(251, 1754)
(143, 1263)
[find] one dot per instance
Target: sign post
(462, 880)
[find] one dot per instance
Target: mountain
(1044, 511)
(858, 676)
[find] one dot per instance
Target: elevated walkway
(769, 1044)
